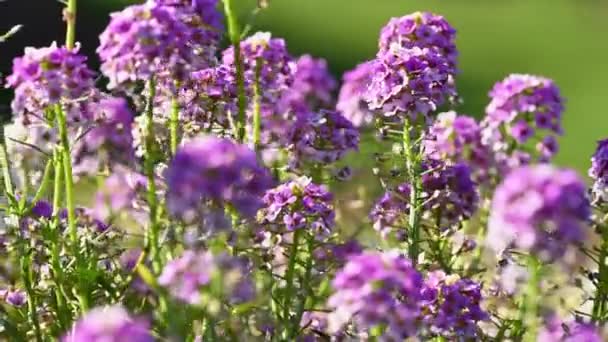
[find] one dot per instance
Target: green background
(561, 39)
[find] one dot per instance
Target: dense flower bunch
(47, 76)
(187, 277)
(216, 171)
(109, 324)
(189, 237)
(420, 29)
(351, 101)
(452, 306)
(298, 204)
(598, 171)
(322, 138)
(523, 108)
(448, 191)
(540, 209)
(377, 289)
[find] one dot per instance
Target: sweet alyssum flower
(421, 29)
(524, 109)
(193, 273)
(111, 323)
(298, 204)
(321, 138)
(446, 190)
(46, 77)
(540, 209)
(377, 289)
(351, 101)
(599, 170)
(216, 173)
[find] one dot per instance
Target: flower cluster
(351, 100)
(421, 29)
(45, 77)
(540, 209)
(298, 204)
(216, 172)
(446, 190)
(556, 330)
(599, 170)
(377, 289)
(524, 107)
(452, 306)
(109, 324)
(188, 276)
(322, 138)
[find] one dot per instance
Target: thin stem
(27, 275)
(599, 302)
(530, 308)
(44, 183)
(174, 125)
(6, 172)
(235, 39)
(257, 110)
(305, 283)
(412, 166)
(290, 274)
(70, 18)
(149, 165)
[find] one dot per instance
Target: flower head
(351, 101)
(599, 170)
(375, 289)
(540, 209)
(109, 324)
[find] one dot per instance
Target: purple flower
(122, 192)
(312, 87)
(423, 30)
(557, 331)
(109, 141)
(351, 100)
(151, 40)
(540, 209)
(377, 289)
(452, 306)
(321, 138)
(16, 298)
(409, 82)
(298, 204)
(215, 172)
(109, 324)
(46, 77)
(457, 139)
(447, 190)
(599, 170)
(188, 276)
(523, 107)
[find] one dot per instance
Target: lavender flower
(351, 101)
(123, 192)
(109, 142)
(150, 40)
(377, 289)
(457, 139)
(218, 172)
(557, 331)
(409, 82)
(452, 306)
(46, 77)
(447, 190)
(298, 204)
(16, 298)
(423, 30)
(190, 275)
(321, 138)
(599, 171)
(109, 324)
(312, 87)
(523, 107)
(540, 209)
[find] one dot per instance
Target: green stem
(289, 277)
(43, 184)
(6, 172)
(56, 246)
(70, 17)
(257, 104)
(530, 308)
(235, 39)
(305, 283)
(412, 166)
(27, 275)
(149, 165)
(174, 125)
(601, 295)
